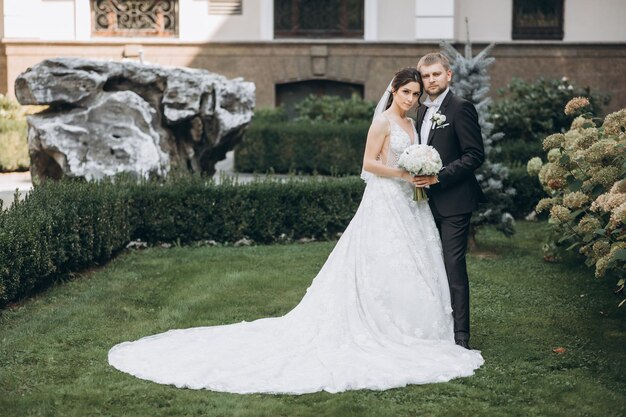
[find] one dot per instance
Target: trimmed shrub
(327, 137)
(303, 147)
(191, 209)
(57, 229)
(67, 226)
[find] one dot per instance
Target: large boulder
(107, 117)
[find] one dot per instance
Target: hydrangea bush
(585, 180)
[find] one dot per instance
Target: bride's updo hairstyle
(403, 77)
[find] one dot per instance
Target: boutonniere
(439, 121)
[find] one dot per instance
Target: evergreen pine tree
(471, 81)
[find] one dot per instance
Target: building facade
(291, 48)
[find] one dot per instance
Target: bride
(376, 316)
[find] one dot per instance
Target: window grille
(318, 18)
(134, 17)
(538, 19)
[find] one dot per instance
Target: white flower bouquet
(420, 160)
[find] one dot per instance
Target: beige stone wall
(434, 20)
(584, 21)
(1, 19)
(4, 79)
(397, 22)
(197, 24)
(370, 64)
(489, 20)
(597, 21)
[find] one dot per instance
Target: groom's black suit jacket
(460, 145)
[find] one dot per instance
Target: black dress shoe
(463, 343)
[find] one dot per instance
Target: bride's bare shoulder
(380, 124)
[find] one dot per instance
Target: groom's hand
(424, 180)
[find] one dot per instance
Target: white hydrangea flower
(534, 165)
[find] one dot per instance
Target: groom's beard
(433, 94)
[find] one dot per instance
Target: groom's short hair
(434, 58)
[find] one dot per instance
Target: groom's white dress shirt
(433, 107)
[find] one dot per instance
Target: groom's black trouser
(454, 231)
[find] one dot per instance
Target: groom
(450, 124)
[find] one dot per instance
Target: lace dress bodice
(398, 141)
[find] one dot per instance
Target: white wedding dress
(376, 316)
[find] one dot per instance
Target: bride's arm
(373, 148)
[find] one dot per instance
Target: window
(538, 19)
(134, 18)
(318, 18)
(289, 95)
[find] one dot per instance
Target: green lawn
(53, 348)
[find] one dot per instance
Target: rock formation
(107, 117)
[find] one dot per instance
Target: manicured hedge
(303, 147)
(71, 225)
(191, 209)
(60, 228)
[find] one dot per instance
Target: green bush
(516, 152)
(530, 111)
(334, 109)
(191, 209)
(270, 115)
(327, 137)
(528, 191)
(302, 147)
(67, 226)
(59, 228)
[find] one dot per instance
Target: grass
(53, 347)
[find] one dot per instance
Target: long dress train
(376, 316)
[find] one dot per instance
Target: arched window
(318, 18)
(289, 95)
